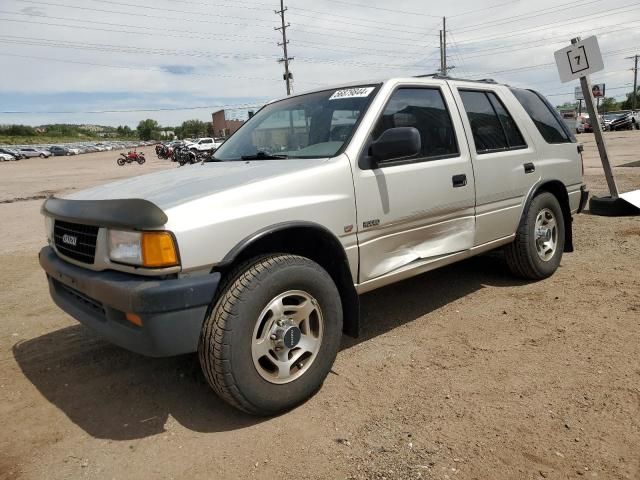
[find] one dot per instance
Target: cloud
(143, 53)
(179, 69)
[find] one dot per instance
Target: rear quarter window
(545, 118)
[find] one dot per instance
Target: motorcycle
(183, 155)
(131, 157)
(164, 151)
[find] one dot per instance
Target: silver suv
(255, 258)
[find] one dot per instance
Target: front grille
(75, 240)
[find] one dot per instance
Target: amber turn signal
(158, 250)
(133, 318)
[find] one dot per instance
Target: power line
(361, 38)
(208, 22)
(133, 5)
(148, 69)
(295, 10)
(558, 94)
(579, 19)
(135, 110)
(192, 35)
(484, 9)
(361, 5)
(212, 36)
(527, 15)
(336, 19)
(13, 39)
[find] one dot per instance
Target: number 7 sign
(579, 60)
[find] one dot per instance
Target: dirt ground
(461, 373)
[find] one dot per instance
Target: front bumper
(172, 310)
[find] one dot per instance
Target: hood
(173, 187)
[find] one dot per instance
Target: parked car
(606, 120)
(583, 125)
(625, 121)
(33, 152)
(204, 145)
(58, 151)
(255, 259)
(13, 152)
(5, 157)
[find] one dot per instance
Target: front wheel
(121, 161)
(537, 249)
(271, 338)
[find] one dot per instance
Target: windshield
(316, 125)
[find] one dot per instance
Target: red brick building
(223, 127)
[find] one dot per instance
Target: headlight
(48, 228)
(145, 249)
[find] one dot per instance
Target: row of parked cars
(610, 122)
(13, 152)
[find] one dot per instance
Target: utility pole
(444, 45)
(444, 69)
(288, 76)
(635, 80)
(441, 61)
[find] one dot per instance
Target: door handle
(529, 167)
(459, 180)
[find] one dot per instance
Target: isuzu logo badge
(69, 239)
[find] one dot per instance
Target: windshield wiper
(263, 156)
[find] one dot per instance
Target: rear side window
(492, 127)
(545, 118)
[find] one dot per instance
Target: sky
(115, 62)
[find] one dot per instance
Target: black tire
(121, 161)
(522, 255)
(611, 207)
(42, 155)
(225, 349)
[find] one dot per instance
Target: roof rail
(447, 77)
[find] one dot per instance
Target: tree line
(150, 129)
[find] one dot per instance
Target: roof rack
(447, 77)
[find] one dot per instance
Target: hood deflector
(130, 213)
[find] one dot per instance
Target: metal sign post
(578, 61)
(587, 93)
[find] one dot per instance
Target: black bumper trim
(133, 213)
(584, 196)
(172, 310)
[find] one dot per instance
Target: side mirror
(398, 142)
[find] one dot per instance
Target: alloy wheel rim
(546, 234)
(287, 337)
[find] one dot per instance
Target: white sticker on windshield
(351, 93)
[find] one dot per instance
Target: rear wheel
(537, 249)
(270, 339)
